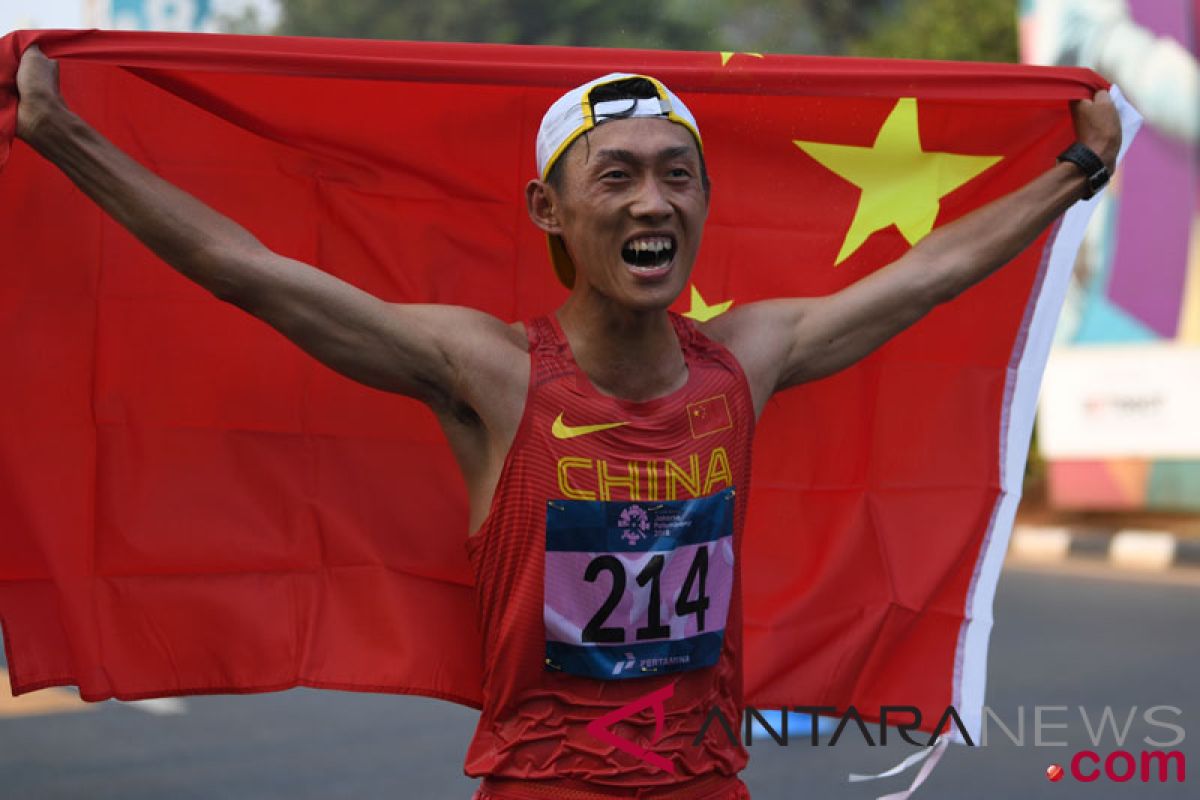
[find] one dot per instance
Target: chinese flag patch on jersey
(709, 416)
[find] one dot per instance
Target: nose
(650, 201)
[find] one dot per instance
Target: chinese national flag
(190, 504)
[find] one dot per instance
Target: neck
(627, 353)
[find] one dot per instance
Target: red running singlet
(608, 576)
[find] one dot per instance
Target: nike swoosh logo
(561, 430)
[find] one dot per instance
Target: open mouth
(648, 252)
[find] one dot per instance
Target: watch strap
(1093, 168)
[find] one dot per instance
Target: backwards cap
(575, 113)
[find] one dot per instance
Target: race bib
(637, 588)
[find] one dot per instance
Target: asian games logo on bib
(634, 524)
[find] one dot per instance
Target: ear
(542, 203)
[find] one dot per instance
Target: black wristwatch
(1093, 168)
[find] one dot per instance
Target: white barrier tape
(1142, 550)
(158, 706)
(1040, 544)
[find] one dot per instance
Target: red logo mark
(1054, 773)
(656, 700)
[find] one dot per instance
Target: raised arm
(427, 352)
(782, 343)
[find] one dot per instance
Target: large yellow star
(702, 311)
(901, 183)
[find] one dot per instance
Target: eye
(614, 174)
(679, 173)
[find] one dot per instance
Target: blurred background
(1099, 604)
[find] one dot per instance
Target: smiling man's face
(630, 207)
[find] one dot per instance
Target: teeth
(648, 252)
(652, 245)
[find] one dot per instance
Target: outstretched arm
(782, 343)
(411, 349)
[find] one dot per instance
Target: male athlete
(605, 447)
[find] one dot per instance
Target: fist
(37, 90)
(1098, 126)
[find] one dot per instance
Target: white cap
(574, 114)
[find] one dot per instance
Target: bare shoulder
(486, 360)
(465, 330)
(757, 334)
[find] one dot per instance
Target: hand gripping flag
(189, 504)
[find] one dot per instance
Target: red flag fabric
(190, 504)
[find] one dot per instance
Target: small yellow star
(702, 311)
(901, 183)
(728, 54)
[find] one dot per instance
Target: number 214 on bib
(637, 588)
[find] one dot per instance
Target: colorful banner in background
(151, 15)
(1137, 282)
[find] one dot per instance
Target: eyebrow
(629, 157)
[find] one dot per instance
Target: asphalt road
(1062, 639)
